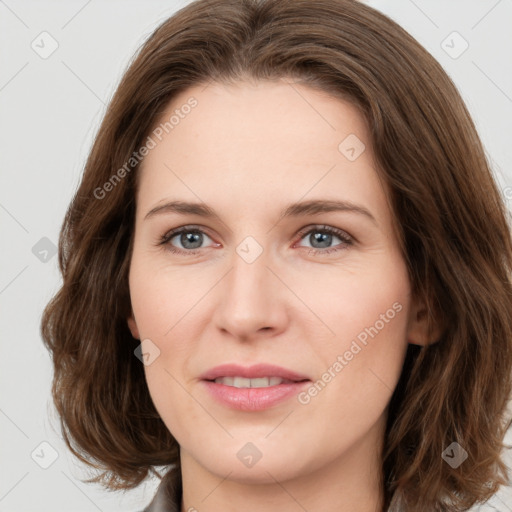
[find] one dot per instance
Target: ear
(417, 327)
(132, 324)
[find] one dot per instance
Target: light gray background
(50, 110)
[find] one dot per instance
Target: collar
(169, 493)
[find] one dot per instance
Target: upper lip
(252, 372)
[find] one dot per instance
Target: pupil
(322, 238)
(191, 237)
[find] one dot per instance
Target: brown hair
(451, 220)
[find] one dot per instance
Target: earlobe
(417, 331)
(133, 327)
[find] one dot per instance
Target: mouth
(254, 388)
(259, 382)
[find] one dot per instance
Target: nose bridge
(250, 279)
(250, 299)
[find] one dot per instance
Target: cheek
(156, 295)
(361, 302)
(160, 300)
(155, 310)
(367, 312)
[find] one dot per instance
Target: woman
(350, 258)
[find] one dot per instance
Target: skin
(248, 151)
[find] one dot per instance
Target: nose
(251, 299)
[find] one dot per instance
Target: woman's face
(321, 292)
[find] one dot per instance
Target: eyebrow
(302, 208)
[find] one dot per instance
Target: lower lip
(253, 399)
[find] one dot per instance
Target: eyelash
(346, 239)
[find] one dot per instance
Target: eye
(321, 238)
(191, 239)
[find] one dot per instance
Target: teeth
(242, 382)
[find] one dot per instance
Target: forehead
(283, 117)
(260, 144)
